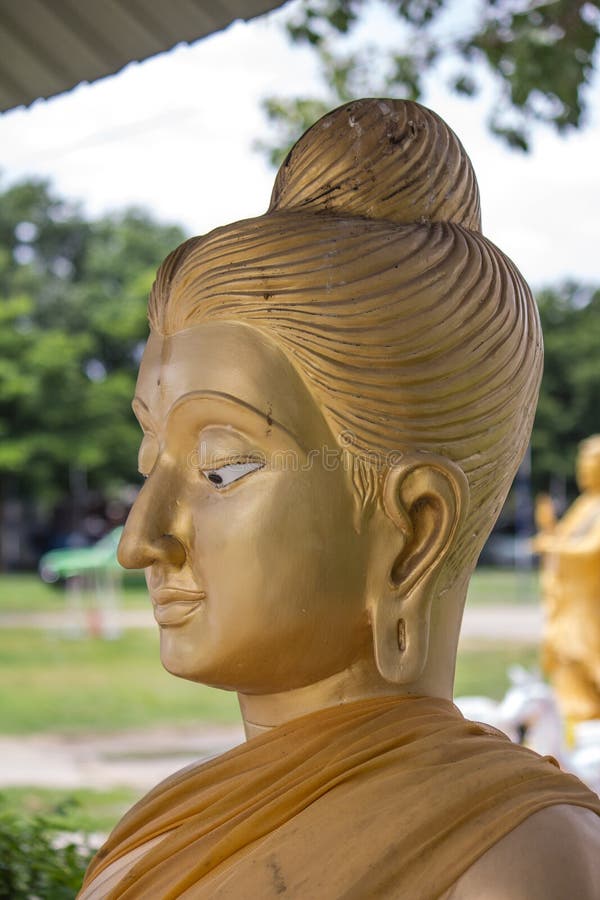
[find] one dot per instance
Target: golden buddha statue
(570, 579)
(335, 397)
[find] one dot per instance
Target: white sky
(174, 134)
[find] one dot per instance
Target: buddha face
(246, 523)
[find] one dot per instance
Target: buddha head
(335, 398)
(588, 464)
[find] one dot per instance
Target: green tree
(539, 57)
(569, 408)
(73, 298)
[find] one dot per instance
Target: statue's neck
(261, 712)
(362, 680)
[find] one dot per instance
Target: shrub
(39, 858)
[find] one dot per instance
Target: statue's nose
(150, 533)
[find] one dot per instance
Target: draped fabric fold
(391, 797)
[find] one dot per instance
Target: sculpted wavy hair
(412, 330)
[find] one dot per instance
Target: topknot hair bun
(381, 159)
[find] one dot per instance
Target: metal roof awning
(49, 46)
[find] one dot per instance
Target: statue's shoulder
(553, 854)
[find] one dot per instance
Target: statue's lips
(174, 607)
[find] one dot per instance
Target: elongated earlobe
(426, 498)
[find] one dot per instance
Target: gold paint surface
(219, 395)
(570, 580)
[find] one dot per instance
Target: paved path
(135, 759)
(62, 620)
(503, 623)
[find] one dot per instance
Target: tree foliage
(539, 57)
(73, 298)
(569, 406)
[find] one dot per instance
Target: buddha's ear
(426, 498)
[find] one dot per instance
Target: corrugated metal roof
(49, 46)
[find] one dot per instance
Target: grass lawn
(51, 683)
(81, 809)
(503, 586)
(26, 592)
(482, 667)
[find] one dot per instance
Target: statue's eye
(225, 475)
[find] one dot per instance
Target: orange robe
(393, 797)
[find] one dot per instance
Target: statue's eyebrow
(265, 417)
